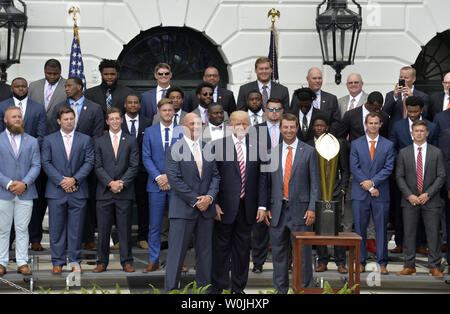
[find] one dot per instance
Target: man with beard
(109, 93)
(19, 169)
(35, 122)
(255, 108)
(205, 93)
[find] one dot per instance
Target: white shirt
(308, 117)
(111, 135)
(259, 117)
(18, 139)
(285, 153)
(357, 99)
(163, 133)
(215, 131)
(203, 113)
(129, 123)
(375, 139)
(243, 147)
(424, 154)
(191, 146)
(159, 92)
(365, 113)
(178, 113)
(216, 91)
(24, 105)
(261, 89)
(317, 101)
(446, 101)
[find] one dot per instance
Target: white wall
(392, 36)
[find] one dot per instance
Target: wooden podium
(350, 239)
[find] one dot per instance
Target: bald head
(192, 125)
(354, 84)
(446, 83)
(314, 79)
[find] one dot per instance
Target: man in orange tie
(371, 163)
(294, 190)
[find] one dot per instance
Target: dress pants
(432, 220)
(20, 211)
(231, 251)
(280, 238)
(66, 217)
(260, 243)
(157, 205)
(362, 211)
(140, 184)
(39, 209)
(90, 221)
(180, 235)
(106, 211)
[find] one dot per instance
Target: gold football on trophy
(327, 147)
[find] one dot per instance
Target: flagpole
(273, 54)
(76, 67)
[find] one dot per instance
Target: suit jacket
(108, 168)
(5, 91)
(442, 121)
(378, 170)
(433, 176)
(56, 165)
(157, 118)
(25, 167)
(153, 154)
(277, 90)
(265, 140)
(197, 112)
(344, 103)
(206, 132)
(35, 119)
(436, 105)
(36, 93)
(401, 135)
(90, 122)
(352, 124)
(143, 124)
(304, 184)
(149, 106)
(186, 184)
(444, 145)
(230, 180)
(395, 108)
(119, 94)
(225, 97)
(310, 133)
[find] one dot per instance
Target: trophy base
(327, 218)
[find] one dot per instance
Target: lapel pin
(323, 101)
(84, 107)
(123, 138)
(220, 97)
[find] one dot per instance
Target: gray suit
(433, 179)
(185, 218)
(304, 191)
(36, 93)
(344, 103)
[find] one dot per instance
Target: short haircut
(202, 85)
(174, 89)
(263, 60)
(52, 63)
(108, 63)
(113, 110)
(213, 104)
(162, 65)
(419, 123)
(254, 91)
(321, 116)
(239, 115)
(375, 97)
(64, 110)
(12, 108)
(415, 101)
(133, 94)
(19, 78)
(408, 67)
(289, 117)
(77, 80)
(275, 101)
(164, 101)
(373, 115)
(305, 93)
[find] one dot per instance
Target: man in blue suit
(19, 167)
(67, 159)
(371, 163)
(156, 142)
(35, 122)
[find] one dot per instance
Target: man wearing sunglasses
(205, 93)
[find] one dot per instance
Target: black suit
(109, 205)
(277, 90)
(231, 239)
(118, 96)
(225, 97)
(309, 135)
(444, 145)
(436, 105)
(5, 92)
(141, 180)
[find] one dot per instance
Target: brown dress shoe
(184, 269)
(362, 269)
(397, 249)
(407, 271)
(383, 270)
(422, 250)
(36, 246)
(436, 272)
(2, 270)
(143, 244)
(151, 267)
(90, 246)
(57, 270)
(77, 269)
(342, 269)
(24, 270)
(128, 268)
(99, 269)
(321, 268)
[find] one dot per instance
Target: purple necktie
(14, 145)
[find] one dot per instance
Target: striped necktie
(241, 160)
(419, 171)
(108, 98)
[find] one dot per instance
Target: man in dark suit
(135, 125)
(205, 92)
(320, 126)
(241, 202)
(442, 121)
(194, 181)
(263, 83)
(35, 121)
(67, 159)
(294, 190)
(440, 101)
(156, 142)
(395, 100)
(176, 95)
(255, 108)
(444, 145)
(371, 163)
(216, 127)
(221, 95)
(421, 196)
(324, 101)
(116, 166)
(109, 93)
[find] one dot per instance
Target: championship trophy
(327, 210)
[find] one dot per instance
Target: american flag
(273, 54)
(76, 67)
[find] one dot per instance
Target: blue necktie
(133, 128)
(166, 138)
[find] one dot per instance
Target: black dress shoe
(164, 245)
(257, 269)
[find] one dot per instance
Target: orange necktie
(115, 145)
(372, 149)
(287, 173)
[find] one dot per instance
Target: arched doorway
(433, 63)
(187, 51)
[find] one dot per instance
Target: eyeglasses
(274, 109)
(353, 83)
(445, 83)
(208, 94)
(211, 75)
(163, 73)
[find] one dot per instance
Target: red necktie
(287, 173)
(241, 161)
(419, 171)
